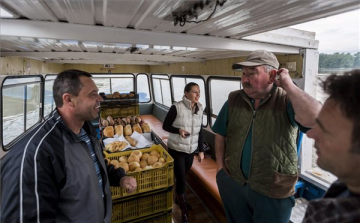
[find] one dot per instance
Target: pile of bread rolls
(138, 161)
(118, 95)
(123, 126)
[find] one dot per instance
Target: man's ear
(272, 75)
(68, 100)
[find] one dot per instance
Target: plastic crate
(164, 217)
(147, 180)
(142, 208)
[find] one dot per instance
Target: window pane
(178, 84)
(166, 93)
(49, 103)
(13, 113)
(219, 91)
(103, 84)
(157, 91)
(122, 85)
(32, 105)
(142, 84)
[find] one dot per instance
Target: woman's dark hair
(188, 89)
(344, 89)
(67, 81)
(189, 86)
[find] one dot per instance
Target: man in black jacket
(337, 142)
(56, 173)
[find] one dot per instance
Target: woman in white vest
(183, 121)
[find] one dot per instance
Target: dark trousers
(245, 205)
(182, 165)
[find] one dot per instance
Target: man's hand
(129, 183)
(283, 79)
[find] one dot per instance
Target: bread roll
(137, 119)
(145, 156)
(133, 158)
(128, 120)
(110, 120)
(115, 163)
(124, 165)
(137, 128)
(155, 153)
(116, 94)
(133, 166)
(119, 130)
(145, 127)
(131, 95)
(138, 169)
(104, 122)
(143, 164)
(109, 131)
(123, 159)
(157, 164)
(162, 160)
(152, 159)
(124, 120)
(127, 130)
(137, 153)
(123, 95)
(131, 141)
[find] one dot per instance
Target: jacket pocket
(283, 185)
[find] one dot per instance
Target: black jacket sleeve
(200, 141)
(114, 175)
(169, 120)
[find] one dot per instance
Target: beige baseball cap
(257, 58)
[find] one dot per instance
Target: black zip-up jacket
(49, 176)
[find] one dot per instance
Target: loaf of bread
(131, 140)
(145, 127)
(132, 120)
(137, 128)
(119, 129)
(109, 131)
(127, 130)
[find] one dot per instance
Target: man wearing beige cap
(255, 143)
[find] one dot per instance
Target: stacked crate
(152, 201)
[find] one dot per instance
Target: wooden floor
(198, 214)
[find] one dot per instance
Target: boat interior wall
(22, 65)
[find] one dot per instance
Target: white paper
(142, 142)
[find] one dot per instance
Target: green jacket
(273, 168)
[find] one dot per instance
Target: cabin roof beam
(83, 33)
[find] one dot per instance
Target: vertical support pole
(310, 73)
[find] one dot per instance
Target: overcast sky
(340, 33)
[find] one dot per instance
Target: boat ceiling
(151, 32)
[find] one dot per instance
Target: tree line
(339, 60)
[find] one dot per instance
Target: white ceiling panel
(131, 31)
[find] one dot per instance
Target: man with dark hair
(337, 141)
(57, 173)
(255, 142)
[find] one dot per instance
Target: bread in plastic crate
(147, 180)
(148, 207)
